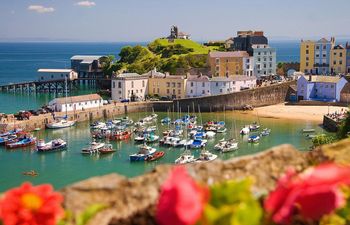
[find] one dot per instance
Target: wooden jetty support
(52, 86)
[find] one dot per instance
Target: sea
(20, 61)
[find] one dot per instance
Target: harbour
(65, 167)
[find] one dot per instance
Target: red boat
(106, 149)
(124, 135)
(155, 156)
(20, 143)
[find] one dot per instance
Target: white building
(129, 86)
(73, 103)
(221, 85)
(197, 86)
(56, 74)
(264, 60)
(243, 82)
(248, 66)
(226, 85)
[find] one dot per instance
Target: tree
(322, 139)
(106, 63)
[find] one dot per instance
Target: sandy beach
(297, 112)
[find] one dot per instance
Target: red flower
(181, 199)
(29, 205)
(313, 193)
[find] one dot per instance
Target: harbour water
(66, 167)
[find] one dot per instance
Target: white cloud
(86, 3)
(40, 9)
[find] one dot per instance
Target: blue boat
(144, 152)
(8, 138)
(166, 120)
(199, 143)
(254, 138)
(199, 135)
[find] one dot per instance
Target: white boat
(210, 134)
(139, 138)
(226, 145)
(62, 123)
(245, 130)
(179, 143)
(206, 156)
(54, 145)
(266, 132)
(185, 158)
(93, 147)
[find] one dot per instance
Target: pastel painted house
(81, 102)
(320, 88)
(130, 86)
(197, 86)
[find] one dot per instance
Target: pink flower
(181, 199)
(313, 193)
(29, 205)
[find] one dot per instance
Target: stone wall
(132, 201)
(257, 97)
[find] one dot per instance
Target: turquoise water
(62, 168)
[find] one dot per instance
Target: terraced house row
(324, 57)
(132, 86)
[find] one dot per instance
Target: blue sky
(144, 20)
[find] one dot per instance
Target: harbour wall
(261, 96)
(330, 124)
(257, 97)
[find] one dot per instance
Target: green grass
(197, 47)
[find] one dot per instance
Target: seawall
(262, 96)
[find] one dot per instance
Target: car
(165, 98)
(125, 100)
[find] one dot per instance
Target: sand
(297, 112)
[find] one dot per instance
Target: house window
(191, 84)
(113, 84)
(174, 92)
(191, 91)
(340, 62)
(120, 92)
(307, 64)
(307, 51)
(167, 91)
(173, 83)
(203, 92)
(341, 54)
(220, 90)
(179, 85)
(217, 60)
(317, 47)
(324, 47)
(158, 90)
(168, 84)
(179, 91)
(217, 84)
(217, 68)
(143, 83)
(119, 84)
(203, 84)
(132, 84)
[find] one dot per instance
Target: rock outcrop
(132, 201)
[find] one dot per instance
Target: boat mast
(65, 83)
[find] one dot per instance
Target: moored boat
(106, 149)
(143, 153)
(122, 135)
(92, 148)
(199, 143)
(155, 156)
(265, 132)
(244, 131)
(308, 130)
(51, 146)
(254, 138)
(62, 123)
(22, 143)
(185, 158)
(206, 156)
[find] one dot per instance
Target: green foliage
(177, 49)
(130, 54)
(84, 217)
(232, 203)
(344, 128)
(322, 139)
(107, 64)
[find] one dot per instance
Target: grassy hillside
(197, 47)
(164, 55)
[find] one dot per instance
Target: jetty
(52, 86)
